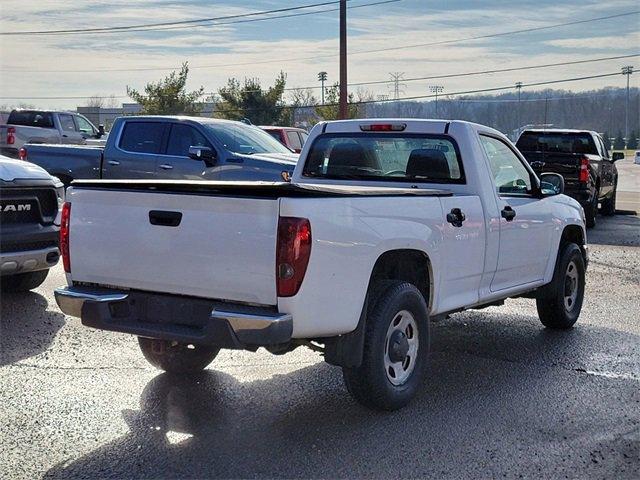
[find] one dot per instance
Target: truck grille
(28, 205)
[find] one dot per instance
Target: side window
(294, 139)
(603, 148)
(304, 137)
(509, 174)
(182, 137)
(142, 137)
(66, 122)
(84, 126)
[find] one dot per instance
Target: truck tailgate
(219, 247)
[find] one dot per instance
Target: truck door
(176, 163)
(134, 153)
(463, 256)
(526, 221)
(69, 132)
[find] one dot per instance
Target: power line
(512, 32)
(416, 97)
(451, 75)
(163, 24)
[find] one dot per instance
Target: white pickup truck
(384, 224)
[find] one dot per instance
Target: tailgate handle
(165, 219)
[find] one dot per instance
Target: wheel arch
(410, 265)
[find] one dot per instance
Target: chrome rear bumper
(175, 317)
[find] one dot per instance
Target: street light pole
(436, 89)
(628, 70)
(343, 60)
(322, 76)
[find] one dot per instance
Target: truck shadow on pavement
(500, 394)
(27, 328)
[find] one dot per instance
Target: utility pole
(518, 88)
(628, 70)
(436, 89)
(322, 77)
(343, 60)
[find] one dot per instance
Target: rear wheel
(560, 302)
(591, 210)
(609, 205)
(395, 350)
(175, 357)
(23, 282)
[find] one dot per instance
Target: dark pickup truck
(580, 156)
(168, 147)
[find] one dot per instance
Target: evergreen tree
(168, 96)
(632, 141)
(606, 138)
(249, 100)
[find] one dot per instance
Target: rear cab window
(386, 157)
(29, 118)
(142, 137)
(557, 142)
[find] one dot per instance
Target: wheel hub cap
(401, 347)
(570, 286)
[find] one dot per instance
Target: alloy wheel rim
(401, 347)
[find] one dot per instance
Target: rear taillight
(11, 135)
(584, 170)
(65, 222)
(292, 255)
(22, 153)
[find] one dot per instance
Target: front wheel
(609, 205)
(559, 303)
(175, 357)
(395, 349)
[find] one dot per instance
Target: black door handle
(508, 213)
(165, 219)
(456, 217)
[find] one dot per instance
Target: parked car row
(384, 224)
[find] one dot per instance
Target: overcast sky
(303, 46)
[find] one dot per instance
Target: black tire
(557, 307)
(23, 282)
(609, 205)
(591, 210)
(371, 383)
(174, 357)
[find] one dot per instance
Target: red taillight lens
(11, 135)
(22, 153)
(65, 221)
(292, 255)
(584, 170)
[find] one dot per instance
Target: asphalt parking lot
(505, 397)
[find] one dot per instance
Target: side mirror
(100, 131)
(551, 184)
(617, 156)
(205, 154)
